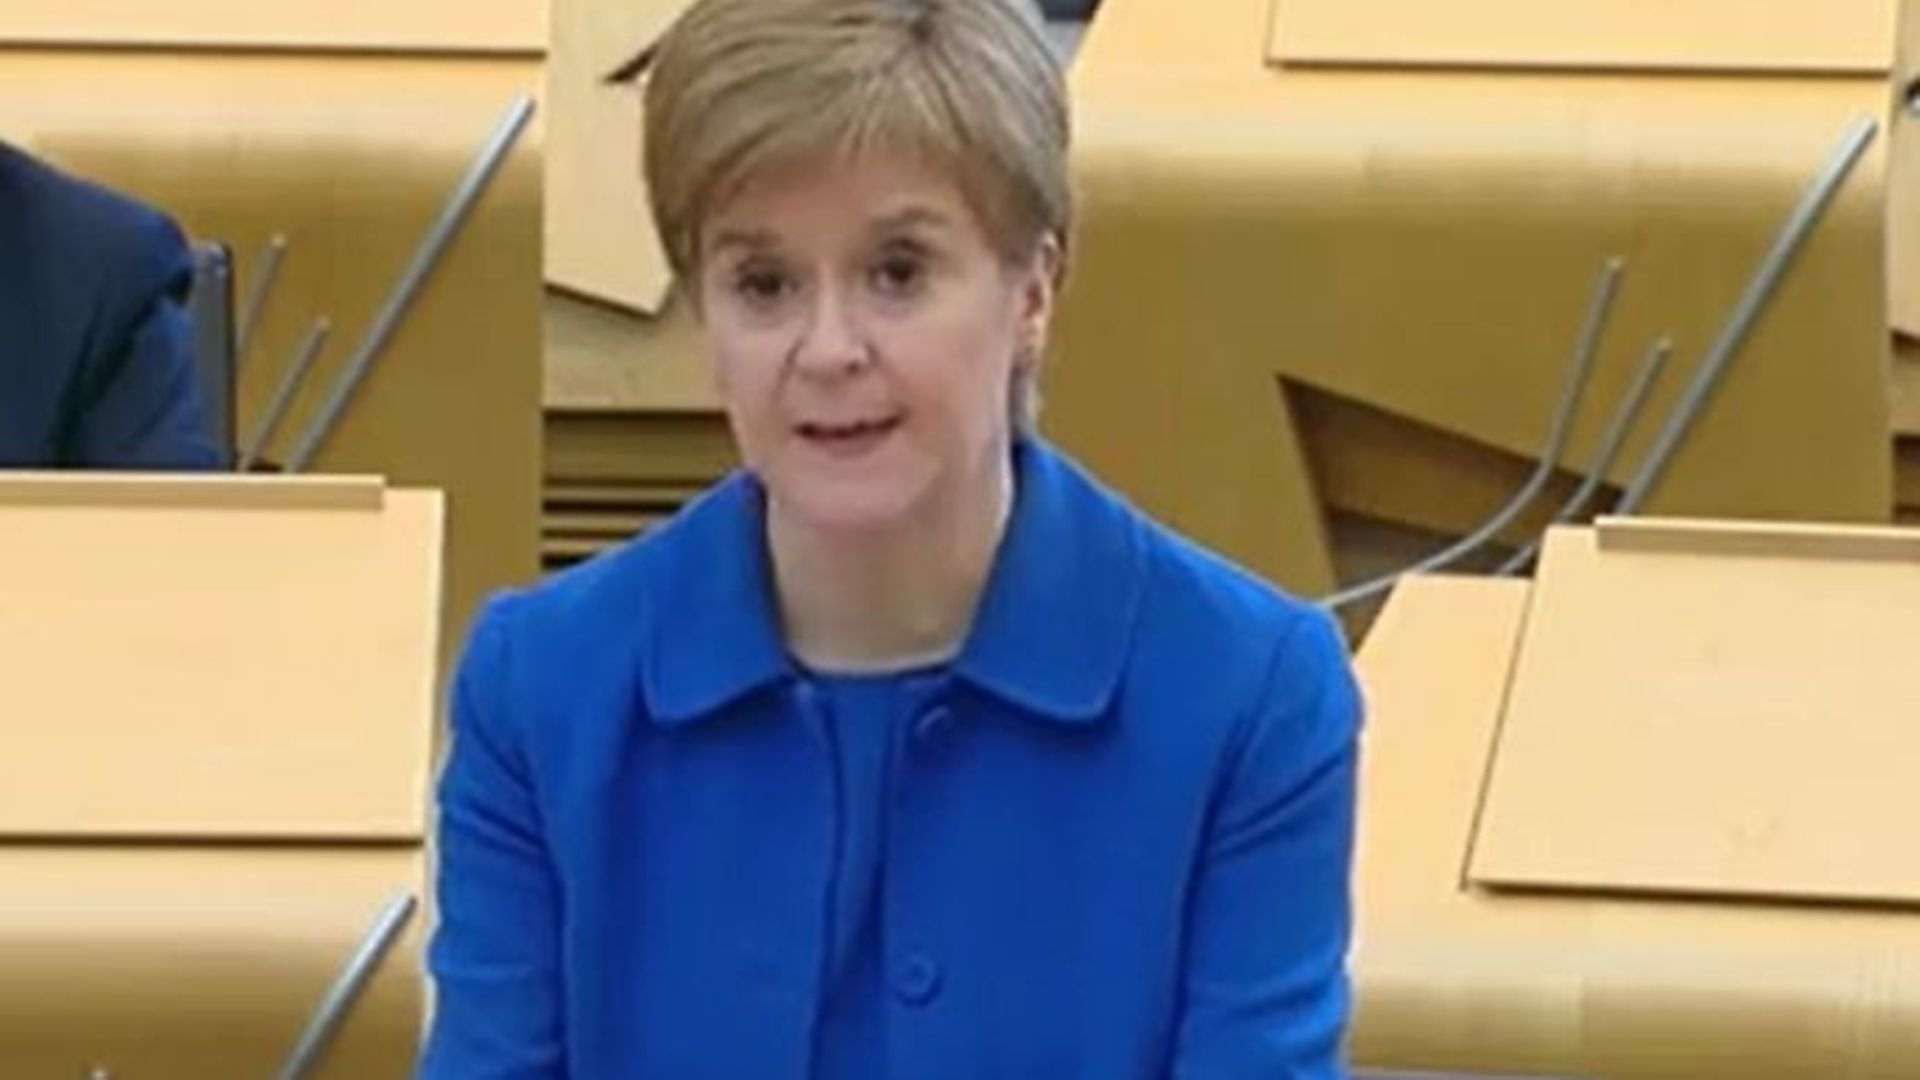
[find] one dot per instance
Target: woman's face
(864, 331)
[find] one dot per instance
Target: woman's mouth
(848, 438)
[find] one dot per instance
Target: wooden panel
(634, 428)
(517, 26)
(201, 963)
(1371, 463)
(352, 158)
(600, 238)
(612, 524)
(1570, 985)
(612, 476)
(1905, 396)
(562, 551)
(218, 671)
(1685, 721)
(1767, 540)
(602, 359)
(1240, 222)
(110, 490)
(1906, 475)
(1407, 671)
(599, 447)
(1903, 195)
(561, 493)
(1686, 35)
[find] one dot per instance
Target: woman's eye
(762, 286)
(899, 275)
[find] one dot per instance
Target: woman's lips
(847, 438)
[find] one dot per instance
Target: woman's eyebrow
(753, 239)
(909, 217)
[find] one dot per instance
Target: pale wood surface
(211, 669)
(1578, 984)
(1731, 713)
(495, 26)
(1687, 35)
(599, 236)
(201, 963)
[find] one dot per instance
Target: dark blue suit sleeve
(1266, 991)
(495, 954)
(141, 406)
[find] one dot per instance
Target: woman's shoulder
(1200, 637)
(1214, 652)
(1194, 600)
(1210, 610)
(615, 593)
(1250, 662)
(1220, 591)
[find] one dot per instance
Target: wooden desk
(217, 715)
(1583, 981)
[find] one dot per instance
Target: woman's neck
(889, 599)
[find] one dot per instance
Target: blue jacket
(96, 352)
(1119, 848)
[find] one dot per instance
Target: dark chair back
(211, 304)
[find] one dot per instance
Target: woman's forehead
(876, 193)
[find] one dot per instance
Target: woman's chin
(847, 505)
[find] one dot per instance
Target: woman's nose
(832, 343)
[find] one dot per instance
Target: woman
(908, 751)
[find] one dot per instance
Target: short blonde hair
(971, 87)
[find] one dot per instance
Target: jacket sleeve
(1265, 988)
(495, 954)
(140, 400)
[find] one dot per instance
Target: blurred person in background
(96, 360)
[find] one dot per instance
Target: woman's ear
(1040, 283)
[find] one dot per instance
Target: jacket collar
(1050, 636)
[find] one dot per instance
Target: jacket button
(917, 980)
(931, 723)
